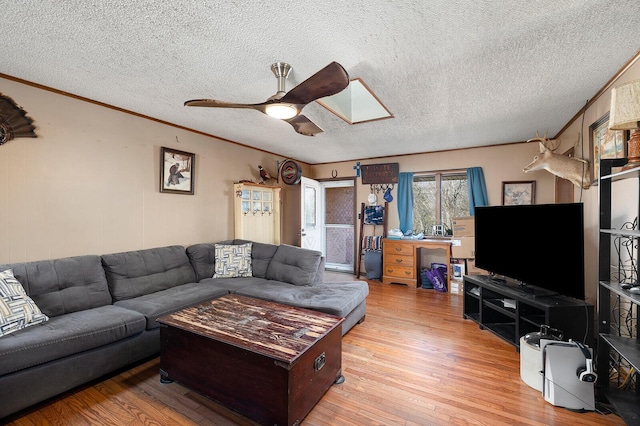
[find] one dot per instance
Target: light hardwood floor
(414, 361)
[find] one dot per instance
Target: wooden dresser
(402, 259)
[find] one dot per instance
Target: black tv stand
(524, 287)
(510, 311)
(535, 291)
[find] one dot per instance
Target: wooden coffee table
(267, 361)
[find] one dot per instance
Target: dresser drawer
(399, 271)
(394, 260)
(397, 247)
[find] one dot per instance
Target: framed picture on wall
(605, 143)
(518, 193)
(177, 171)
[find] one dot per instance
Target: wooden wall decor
(14, 122)
(380, 173)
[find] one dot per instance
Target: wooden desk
(401, 259)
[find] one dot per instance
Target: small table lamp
(625, 115)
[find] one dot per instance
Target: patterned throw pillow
(17, 309)
(233, 260)
(372, 243)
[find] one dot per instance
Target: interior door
(311, 215)
(339, 217)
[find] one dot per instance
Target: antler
(545, 141)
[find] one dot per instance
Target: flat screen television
(540, 245)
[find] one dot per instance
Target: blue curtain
(477, 189)
(405, 201)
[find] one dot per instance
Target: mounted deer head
(573, 169)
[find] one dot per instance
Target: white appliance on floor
(568, 376)
(531, 364)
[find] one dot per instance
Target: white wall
(89, 183)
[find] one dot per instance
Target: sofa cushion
(203, 258)
(294, 265)
(261, 255)
(233, 284)
(62, 286)
(232, 260)
(136, 273)
(17, 310)
(155, 305)
(319, 276)
(66, 335)
(335, 298)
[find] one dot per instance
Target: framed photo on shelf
(605, 143)
(177, 171)
(516, 193)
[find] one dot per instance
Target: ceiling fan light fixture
(287, 106)
(281, 111)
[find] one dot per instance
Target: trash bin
(531, 358)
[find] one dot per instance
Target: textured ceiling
(455, 74)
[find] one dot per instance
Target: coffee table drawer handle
(319, 362)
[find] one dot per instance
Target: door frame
(324, 183)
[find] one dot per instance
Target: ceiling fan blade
(212, 103)
(328, 81)
(304, 126)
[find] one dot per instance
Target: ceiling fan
(287, 106)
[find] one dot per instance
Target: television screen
(540, 245)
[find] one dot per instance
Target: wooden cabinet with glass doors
(257, 212)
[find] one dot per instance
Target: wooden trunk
(270, 362)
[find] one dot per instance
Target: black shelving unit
(510, 311)
(618, 345)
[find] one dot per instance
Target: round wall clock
(291, 172)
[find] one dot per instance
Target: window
(437, 199)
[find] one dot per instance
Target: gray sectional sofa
(102, 309)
